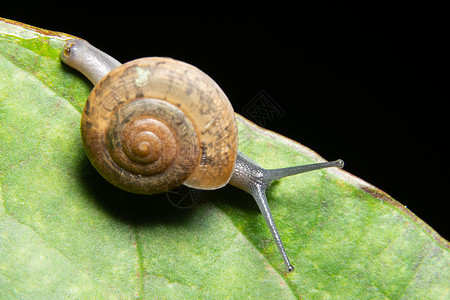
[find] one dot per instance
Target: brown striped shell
(155, 123)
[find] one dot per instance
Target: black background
(365, 83)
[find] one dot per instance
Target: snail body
(155, 123)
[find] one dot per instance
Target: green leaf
(65, 232)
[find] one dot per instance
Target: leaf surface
(65, 232)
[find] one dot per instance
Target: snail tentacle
(255, 180)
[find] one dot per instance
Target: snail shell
(162, 123)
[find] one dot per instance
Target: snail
(155, 123)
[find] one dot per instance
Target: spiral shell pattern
(155, 123)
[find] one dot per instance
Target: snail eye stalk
(255, 180)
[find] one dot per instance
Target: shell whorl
(162, 123)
